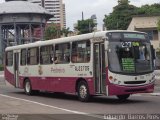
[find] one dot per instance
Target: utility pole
(82, 16)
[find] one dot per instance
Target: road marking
(67, 110)
(76, 112)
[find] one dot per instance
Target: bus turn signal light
(110, 78)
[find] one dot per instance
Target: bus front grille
(134, 82)
(136, 90)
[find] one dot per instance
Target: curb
(155, 94)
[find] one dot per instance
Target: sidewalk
(2, 80)
(157, 85)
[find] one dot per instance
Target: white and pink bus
(101, 63)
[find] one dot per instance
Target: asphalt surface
(51, 106)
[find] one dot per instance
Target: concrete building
(21, 22)
(94, 18)
(147, 24)
(55, 7)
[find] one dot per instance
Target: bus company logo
(25, 70)
(57, 70)
(40, 71)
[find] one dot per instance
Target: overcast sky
(74, 9)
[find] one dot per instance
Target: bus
(107, 63)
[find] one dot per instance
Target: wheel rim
(83, 91)
(28, 87)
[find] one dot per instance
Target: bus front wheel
(28, 88)
(83, 91)
(123, 97)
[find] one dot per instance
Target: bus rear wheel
(27, 87)
(83, 91)
(123, 97)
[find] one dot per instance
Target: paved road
(61, 106)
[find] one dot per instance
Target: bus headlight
(112, 79)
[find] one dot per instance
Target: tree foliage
(52, 31)
(85, 26)
(122, 14)
(149, 9)
(158, 24)
(65, 31)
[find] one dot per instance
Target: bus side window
(81, 52)
(9, 58)
(23, 56)
(62, 53)
(33, 56)
(46, 54)
(57, 59)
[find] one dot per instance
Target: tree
(149, 9)
(65, 31)
(123, 2)
(85, 26)
(158, 25)
(121, 15)
(52, 31)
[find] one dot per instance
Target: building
(55, 7)
(147, 24)
(94, 18)
(19, 25)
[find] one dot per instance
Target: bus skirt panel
(122, 90)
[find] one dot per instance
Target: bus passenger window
(33, 56)
(23, 57)
(57, 60)
(62, 53)
(46, 54)
(81, 52)
(9, 58)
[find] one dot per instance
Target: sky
(100, 8)
(74, 9)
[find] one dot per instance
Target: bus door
(16, 69)
(99, 68)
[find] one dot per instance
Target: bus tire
(28, 87)
(83, 91)
(123, 97)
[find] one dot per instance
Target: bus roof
(65, 39)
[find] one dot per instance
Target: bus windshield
(130, 57)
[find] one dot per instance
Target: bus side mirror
(153, 52)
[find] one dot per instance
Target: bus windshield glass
(127, 56)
